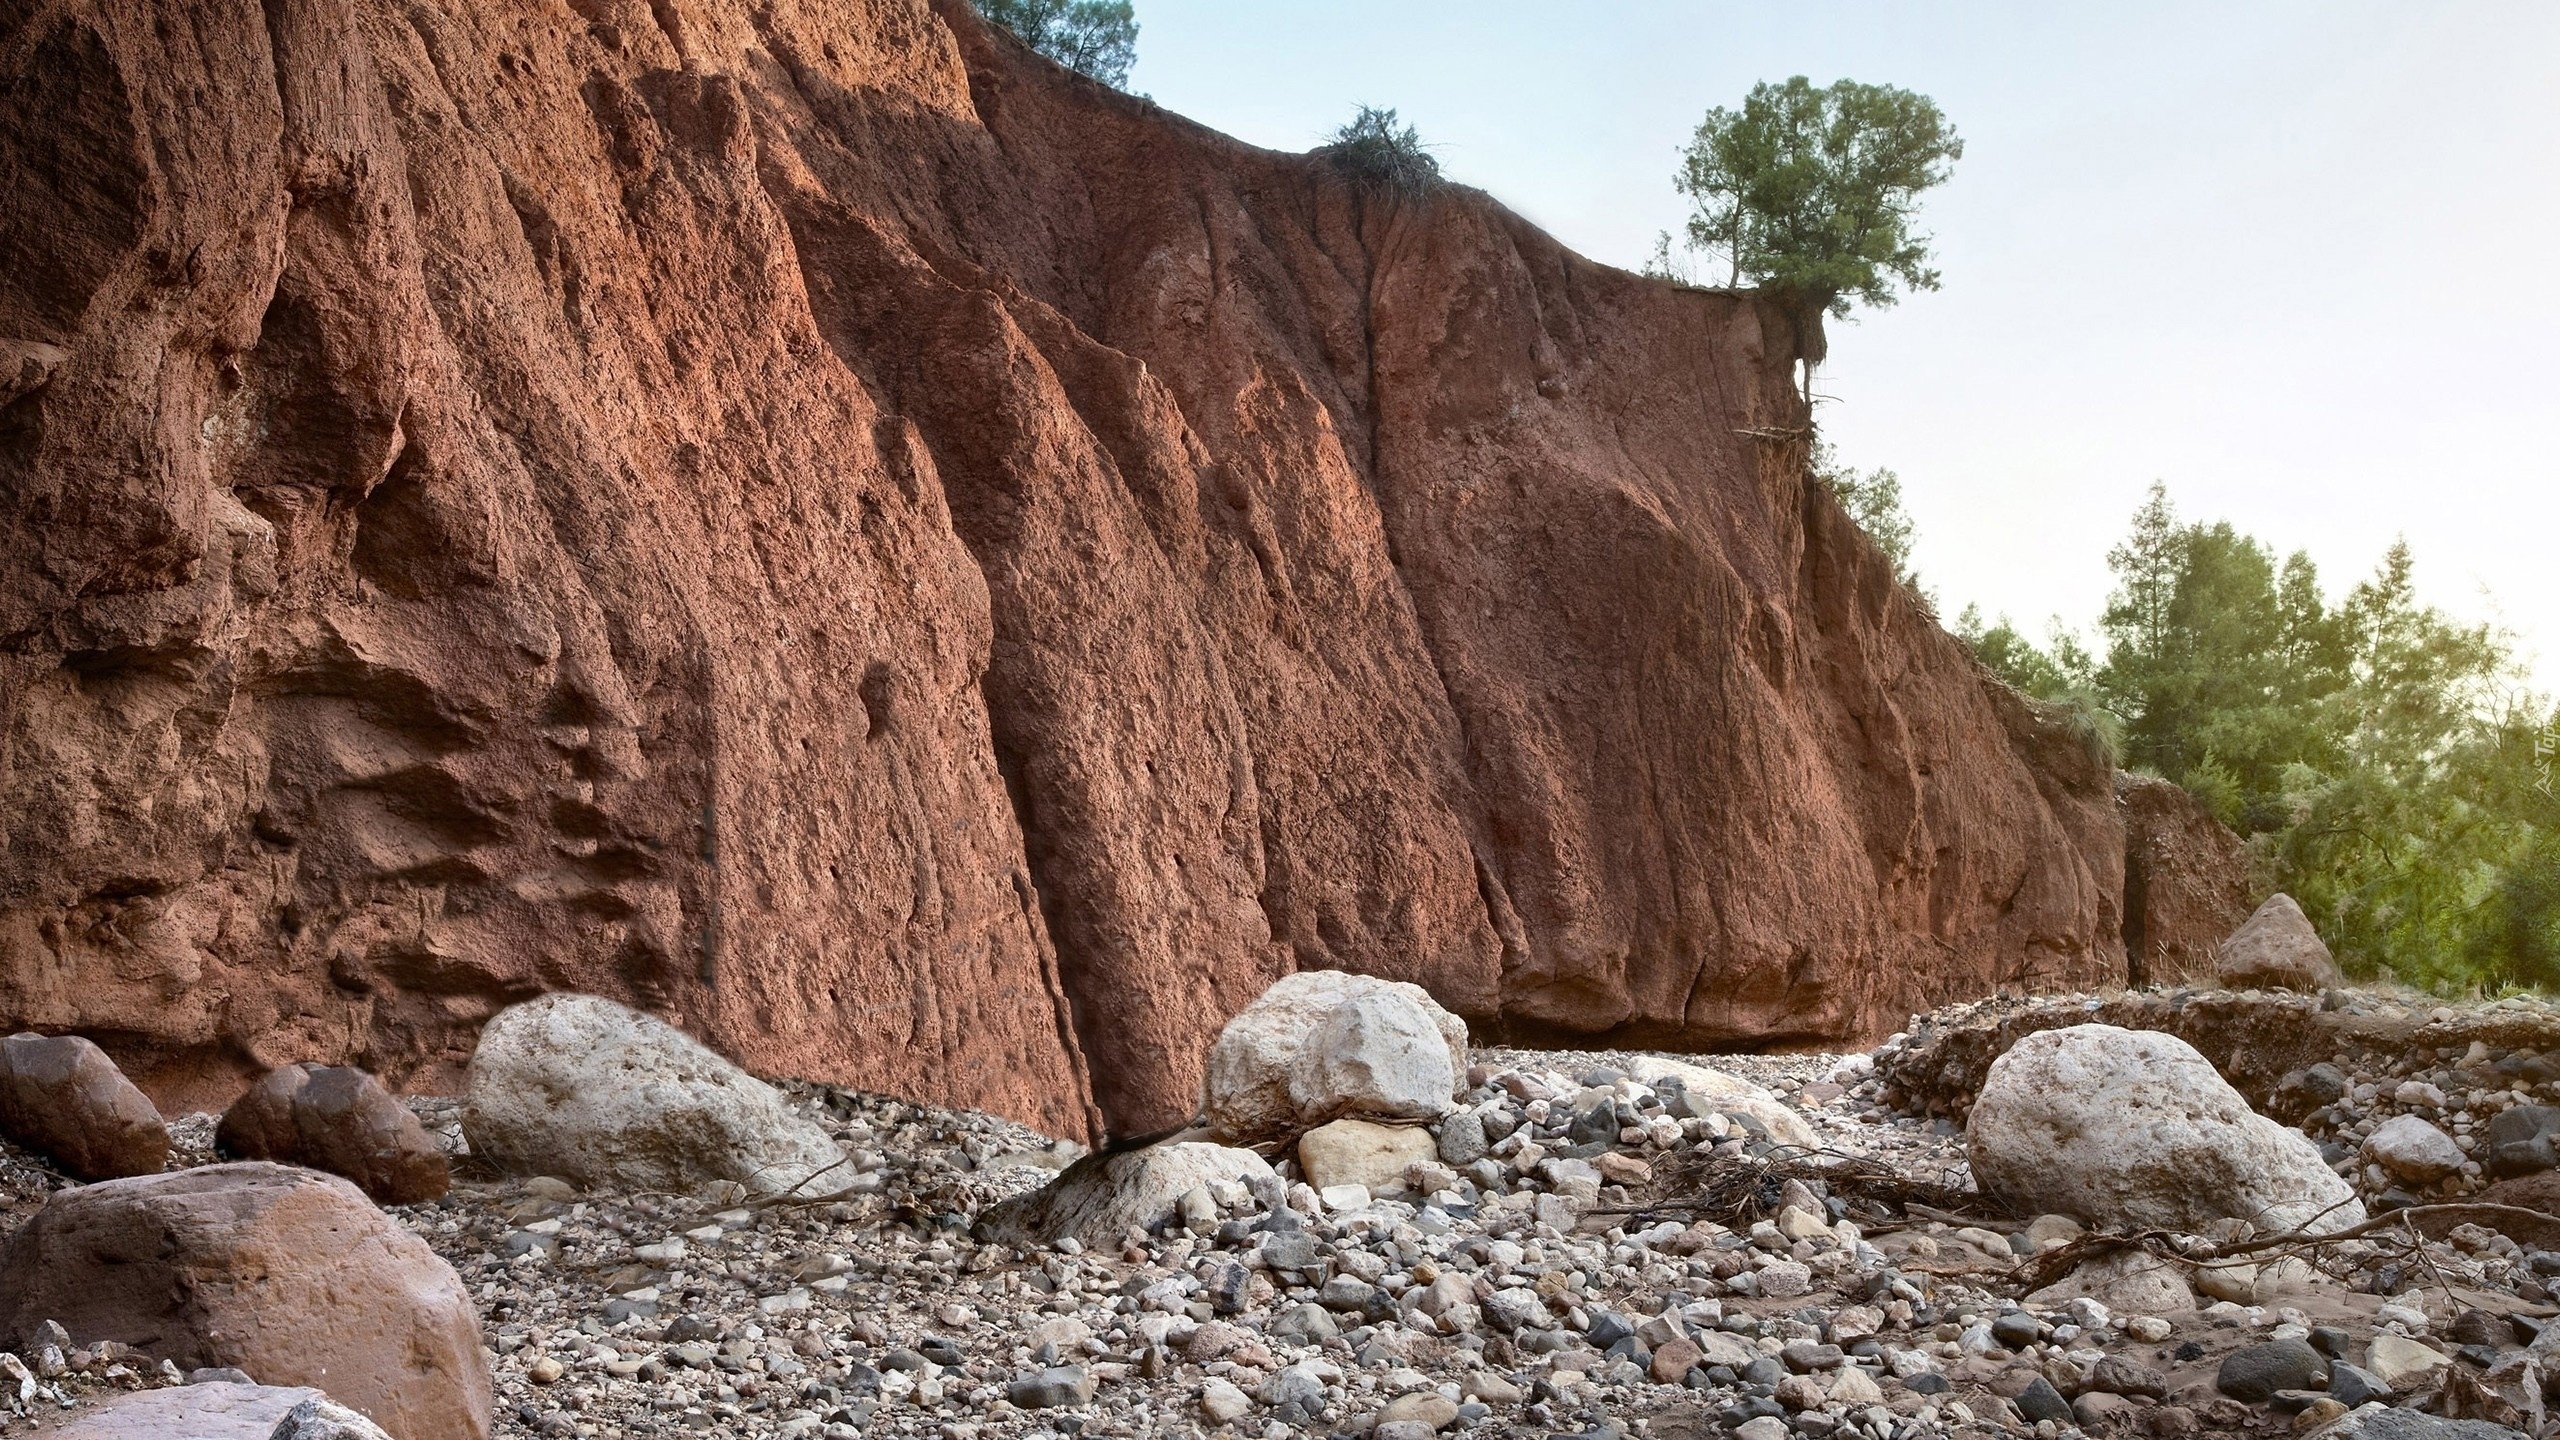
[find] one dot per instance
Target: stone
(2523, 1140)
(1050, 1388)
(1422, 1407)
(1221, 1403)
(217, 1410)
(1364, 1153)
(2400, 1362)
(2124, 1375)
(606, 1097)
(1762, 1427)
(339, 1119)
(2276, 949)
(2318, 1413)
(2126, 1282)
(2254, 1373)
(2126, 1129)
(1785, 1279)
(1321, 1044)
(1698, 1083)
(2353, 1385)
(2377, 1421)
(288, 1275)
(1462, 1139)
(1672, 1361)
(1103, 1196)
(2040, 1401)
(2412, 1148)
(61, 1097)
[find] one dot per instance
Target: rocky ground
(1598, 1255)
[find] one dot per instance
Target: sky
(2294, 260)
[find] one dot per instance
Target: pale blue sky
(2297, 260)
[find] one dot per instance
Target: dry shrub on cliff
(1374, 150)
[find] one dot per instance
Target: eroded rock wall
(927, 571)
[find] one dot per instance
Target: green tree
(1812, 193)
(2378, 754)
(1097, 38)
(1874, 500)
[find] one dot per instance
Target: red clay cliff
(928, 571)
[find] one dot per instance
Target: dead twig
(2038, 1271)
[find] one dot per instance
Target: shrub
(1375, 150)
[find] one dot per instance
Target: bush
(1374, 150)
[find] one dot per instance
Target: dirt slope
(933, 573)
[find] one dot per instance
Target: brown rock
(63, 1098)
(339, 1119)
(2276, 949)
(1673, 1359)
(287, 1275)
(2186, 882)
(588, 508)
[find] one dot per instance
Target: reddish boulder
(339, 1119)
(289, 1276)
(63, 1098)
(814, 522)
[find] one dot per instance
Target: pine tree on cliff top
(1096, 38)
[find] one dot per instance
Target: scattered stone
(2129, 1129)
(602, 1095)
(288, 1275)
(2275, 949)
(339, 1119)
(63, 1098)
(2040, 1401)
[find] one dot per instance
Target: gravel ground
(1547, 1290)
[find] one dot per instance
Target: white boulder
(2413, 1149)
(1322, 1044)
(2131, 1128)
(608, 1098)
(1101, 1198)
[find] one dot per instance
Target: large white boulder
(1100, 1198)
(2132, 1128)
(1322, 1044)
(608, 1098)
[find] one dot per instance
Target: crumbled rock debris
(1554, 1278)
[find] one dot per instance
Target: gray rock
(2040, 1401)
(1051, 1388)
(2123, 1375)
(1305, 1325)
(2353, 1385)
(1462, 1139)
(2524, 1140)
(2255, 1373)
(217, 1410)
(2381, 1422)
